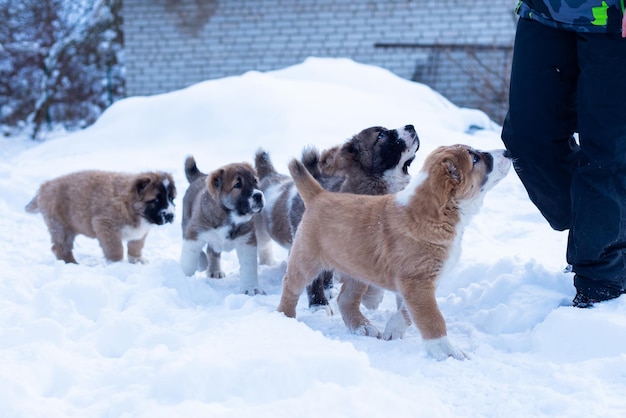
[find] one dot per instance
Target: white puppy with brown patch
(218, 211)
(402, 243)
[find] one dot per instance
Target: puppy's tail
(263, 164)
(306, 184)
(32, 206)
(311, 160)
(191, 169)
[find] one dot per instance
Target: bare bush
(60, 63)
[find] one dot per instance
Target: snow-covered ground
(123, 340)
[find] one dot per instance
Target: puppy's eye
(155, 201)
(475, 158)
(238, 185)
(381, 135)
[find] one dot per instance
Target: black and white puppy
(374, 161)
(218, 211)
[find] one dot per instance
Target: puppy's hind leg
(62, 244)
(302, 268)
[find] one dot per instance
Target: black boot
(583, 301)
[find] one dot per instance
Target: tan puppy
(374, 161)
(218, 211)
(111, 207)
(399, 242)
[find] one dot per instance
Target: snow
(125, 340)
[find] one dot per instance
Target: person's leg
(539, 127)
(597, 238)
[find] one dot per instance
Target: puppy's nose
(168, 217)
(409, 128)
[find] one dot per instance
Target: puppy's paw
(319, 307)
(217, 274)
(137, 260)
(441, 348)
(253, 291)
(396, 327)
(331, 293)
(367, 330)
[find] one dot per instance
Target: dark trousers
(564, 82)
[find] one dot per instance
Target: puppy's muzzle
(166, 217)
(257, 201)
(409, 136)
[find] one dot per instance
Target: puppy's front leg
(349, 302)
(372, 297)
(420, 301)
(215, 264)
(398, 323)
(192, 249)
(316, 292)
(264, 241)
(248, 272)
(134, 250)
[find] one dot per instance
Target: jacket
(603, 16)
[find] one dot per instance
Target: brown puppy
(111, 207)
(217, 212)
(374, 161)
(399, 242)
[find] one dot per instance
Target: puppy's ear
(215, 182)
(142, 183)
(453, 171)
(327, 161)
(351, 149)
(171, 189)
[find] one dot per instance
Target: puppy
(217, 212)
(374, 161)
(284, 206)
(282, 215)
(111, 207)
(403, 243)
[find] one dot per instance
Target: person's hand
(624, 26)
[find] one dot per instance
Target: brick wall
(462, 48)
